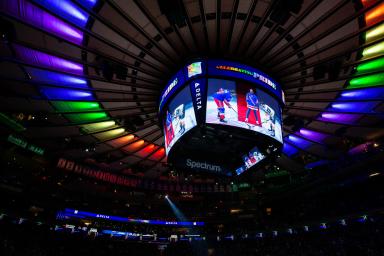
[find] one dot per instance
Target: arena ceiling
(83, 77)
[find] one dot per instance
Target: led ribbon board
(239, 71)
(220, 68)
(83, 215)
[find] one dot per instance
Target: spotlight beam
(179, 215)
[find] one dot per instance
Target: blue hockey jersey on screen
(169, 119)
(221, 96)
(252, 100)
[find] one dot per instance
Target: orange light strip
(375, 15)
(121, 141)
(134, 146)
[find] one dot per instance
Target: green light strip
(87, 117)
(11, 123)
(366, 81)
(371, 66)
(73, 106)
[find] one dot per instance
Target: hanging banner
(135, 182)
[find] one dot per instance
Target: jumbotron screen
(240, 104)
(220, 117)
(179, 118)
(252, 158)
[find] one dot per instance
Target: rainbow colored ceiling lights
(74, 100)
(365, 86)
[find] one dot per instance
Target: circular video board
(221, 117)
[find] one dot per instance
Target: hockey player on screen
(222, 97)
(247, 162)
(252, 158)
(179, 115)
(258, 156)
(252, 104)
(269, 119)
(169, 129)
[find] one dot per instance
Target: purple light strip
(362, 148)
(339, 117)
(32, 14)
(312, 135)
(45, 60)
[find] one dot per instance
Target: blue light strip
(364, 94)
(68, 10)
(289, 150)
(49, 77)
(82, 215)
(354, 107)
(65, 94)
(299, 142)
(317, 163)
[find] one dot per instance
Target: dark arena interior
(192, 127)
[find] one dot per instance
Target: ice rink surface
(231, 118)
